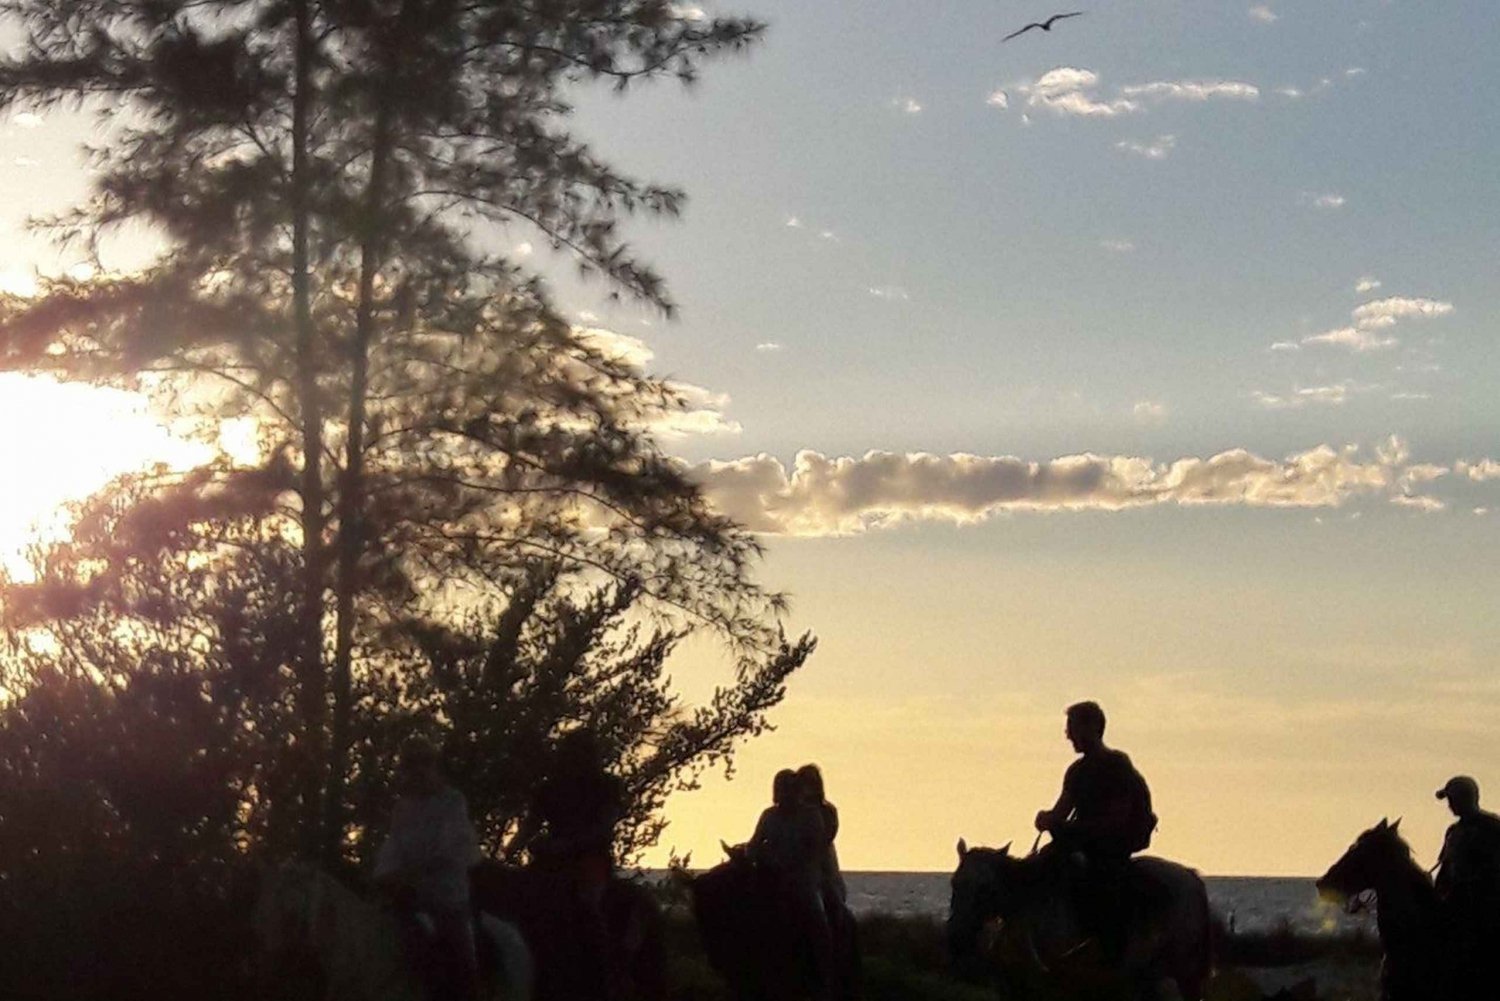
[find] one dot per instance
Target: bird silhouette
(1044, 25)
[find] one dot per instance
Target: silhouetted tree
(322, 171)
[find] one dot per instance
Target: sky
(1150, 360)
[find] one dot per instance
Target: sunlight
(64, 441)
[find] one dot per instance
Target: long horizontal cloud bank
(822, 495)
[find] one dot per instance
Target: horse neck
(1404, 901)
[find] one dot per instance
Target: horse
(1042, 950)
(353, 947)
(629, 965)
(1421, 961)
(752, 947)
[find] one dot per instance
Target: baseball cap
(1461, 787)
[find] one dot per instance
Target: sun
(61, 442)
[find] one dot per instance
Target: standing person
(1468, 878)
(424, 865)
(1104, 813)
(790, 847)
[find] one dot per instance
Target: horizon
(1149, 360)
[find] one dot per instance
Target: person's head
(810, 780)
(419, 768)
(1085, 726)
(1462, 794)
(784, 787)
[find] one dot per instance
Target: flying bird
(1044, 25)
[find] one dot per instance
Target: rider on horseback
(1104, 815)
(424, 866)
(570, 831)
(1468, 876)
(790, 847)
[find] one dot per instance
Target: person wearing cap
(1468, 876)
(424, 864)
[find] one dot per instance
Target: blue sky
(1178, 367)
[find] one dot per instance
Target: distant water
(1252, 903)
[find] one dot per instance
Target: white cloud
(1367, 284)
(702, 414)
(828, 234)
(793, 222)
(617, 346)
(822, 495)
(1286, 346)
(907, 105)
(28, 119)
(522, 249)
(1064, 90)
(1479, 471)
(999, 99)
(1260, 12)
(1117, 246)
(1378, 315)
(687, 11)
(1353, 71)
(769, 347)
(1291, 92)
(890, 293)
(1408, 395)
(1158, 149)
(1421, 502)
(1193, 90)
(1385, 312)
(1149, 411)
(1331, 200)
(1329, 396)
(1354, 338)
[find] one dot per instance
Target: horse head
(977, 895)
(1376, 855)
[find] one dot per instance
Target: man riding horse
(1468, 876)
(1103, 815)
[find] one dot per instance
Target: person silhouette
(423, 866)
(1468, 876)
(1104, 815)
(790, 847)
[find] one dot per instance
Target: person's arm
(1049, 820)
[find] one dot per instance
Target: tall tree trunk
(312, 688)
(352, 483)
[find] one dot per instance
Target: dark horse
(629, 966)
(1423, 959)
(1040, 947)
(748, 942)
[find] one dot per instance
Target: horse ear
(1006, 849)
(963, 848)
(1395, 825)
(1384, 823)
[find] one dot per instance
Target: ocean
(1245, 903)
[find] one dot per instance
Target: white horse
(357, 944)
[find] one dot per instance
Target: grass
(905, 959)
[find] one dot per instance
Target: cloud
(1193, 90)
(1354, 338)
(1329, 201)
(1479, 471)
(523, 249)
(1329, 396)
(1149, 411)
(1064, 91)
(1378, 315)
(28, 120)
(1354, 71)
(702, 414)
(1385, 312)
(1286, 346)
(1260, 12)
(891, 293)
(1423, 503)
(907, 105)
(1367, 284)
(999, 99)
(617, 346)
(793, 222)
(1117, 246)
(1158, 149)
(769, 347)
(687, 11)
(828, 234)
(1291, 92)
(823, 496)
